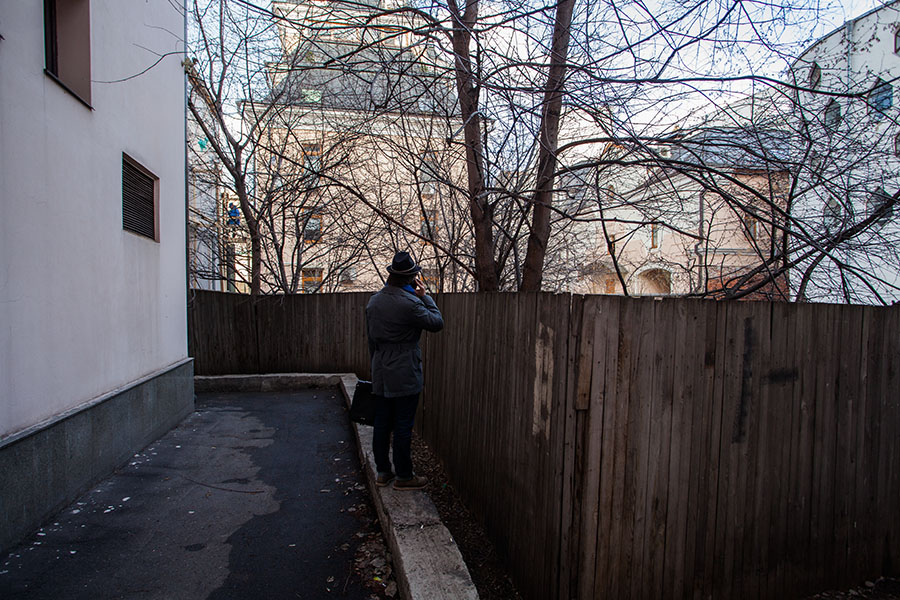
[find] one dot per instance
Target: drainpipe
(187, 216)
(848, 37)
(699, 243)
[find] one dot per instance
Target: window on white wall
(881, 98)
(67, 45)
(833, 115)
(897, 41)
(428, 173)
(431, 277)
(140, 199)
(879, 201)
(815, 76)
(348, 276)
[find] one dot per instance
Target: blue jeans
(397, 415)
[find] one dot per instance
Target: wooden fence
(311, 333)
(622, 448)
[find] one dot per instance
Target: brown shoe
(416, 482)
(383, 479)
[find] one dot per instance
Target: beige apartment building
(674, 236)
(354, 161)
(699, 216)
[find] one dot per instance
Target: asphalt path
(255, 495)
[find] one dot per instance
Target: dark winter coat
(395, 319)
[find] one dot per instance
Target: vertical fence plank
(555, 451)
(705, 431)
(761, 488)
(858, 551)
(810, 414)
(677, 546)
(629, 577)
(576, 351)
(625, 349)
(606, 331)
(722, 416)
(661, 446)
(778, 379)
(821, 525)
(593, 363)
(876, 430)
(891, 423)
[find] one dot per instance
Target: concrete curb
(427, 562)
(272, 382)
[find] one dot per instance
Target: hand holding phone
(420, 287)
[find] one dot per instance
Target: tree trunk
(479, 206)
(543, 196)
(255, 243)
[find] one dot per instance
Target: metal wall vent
(138, 199)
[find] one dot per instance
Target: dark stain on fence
(783, 376)
(740, 422)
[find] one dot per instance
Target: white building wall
(859, 153)
(86, 307)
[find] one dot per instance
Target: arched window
(833, 115)
(897, 144)
(655, 282)
(815, 76)
(897, 41)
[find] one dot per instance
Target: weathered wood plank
(661, 447)
(727, 398)
(620, 536)
(606, 331)
(707, 431)
(570, 529)
(679, 545)
(593, 360)
(778, 380)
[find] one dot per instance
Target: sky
(846, 10)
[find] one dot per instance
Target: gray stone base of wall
(47, 466)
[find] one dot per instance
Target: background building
(341, 154)
(697, 212)
(353, 161)
(93, 351)
(218, 245)
(847, 149)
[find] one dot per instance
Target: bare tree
(692, 113)
(279, 169)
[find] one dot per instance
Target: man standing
(395, 318)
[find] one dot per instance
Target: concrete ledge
(427, 562)
(272, 382)
(46, 467)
